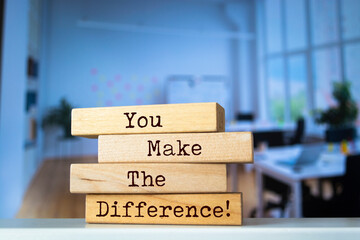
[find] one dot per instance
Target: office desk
(328, 165)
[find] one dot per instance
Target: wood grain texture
(229, 147)
(163, 118)
(147, 178)
(195, 209)
(48, 194)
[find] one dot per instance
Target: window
(308, 44)
(273, 25)
(326, 70)
(298, 86)
(295, 24)
(276, 85)
(350, 19)
(324, 26)
(352, 69)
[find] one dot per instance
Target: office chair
(244, 117)
(343, 204)
(273, 138)
(299, 132)
(279, 188)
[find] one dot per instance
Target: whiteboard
(190, 89)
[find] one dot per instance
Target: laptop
(308, 156)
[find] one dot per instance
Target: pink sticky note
(140, 88)
(109, 103)
(118, 77)
(118, 96)
(127, 86)
(110, 84)
(94, 88)
(139, 101)
(154, 80)
(93, 71)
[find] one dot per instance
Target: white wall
(12, 109)
(242, 15)
(98, 67)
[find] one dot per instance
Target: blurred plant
(277, 110)
(344, 113)
(297, 105)
(60, 116)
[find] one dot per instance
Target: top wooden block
(164, 118)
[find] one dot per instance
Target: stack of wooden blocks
(160, 164)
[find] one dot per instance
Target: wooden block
(229, 147)
(147, 178)
(197, 209)
(165, 118)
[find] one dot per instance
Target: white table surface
(260, 228)
(328, 165)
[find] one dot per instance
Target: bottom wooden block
(196, 209)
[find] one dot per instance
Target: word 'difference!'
(147, 178)
(229, 147)
(165, 118)
(197, 209)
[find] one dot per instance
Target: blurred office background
(272, 64)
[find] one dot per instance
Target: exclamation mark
(227, 207)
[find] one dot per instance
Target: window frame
(308, 51)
